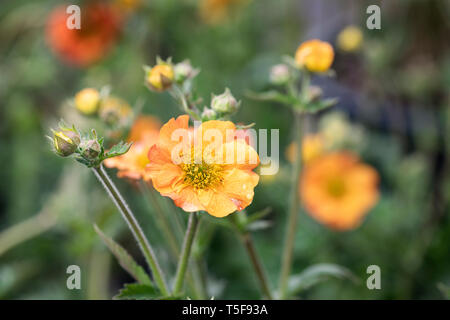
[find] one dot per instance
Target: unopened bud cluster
(87, 149)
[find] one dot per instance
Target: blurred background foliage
(394, 88)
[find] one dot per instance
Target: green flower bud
(225, 103)
(65, 142)
(208, 114)
(183, 71)
(280, 74)
(91, 149)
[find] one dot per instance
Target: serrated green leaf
(125, 260)
(118, 150)
(316, 274)
(136, 291)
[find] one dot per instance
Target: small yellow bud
(315, 55)
(65, 142)
(87, 101)
(350, 39)
(160, 77)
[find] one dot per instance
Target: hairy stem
(138, 234)
(185, 253)
(291, 226)
(247, 241)
(257, 265)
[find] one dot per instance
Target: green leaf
(316, 274)
(118, 150)
(259, 225)
(274, 96)
(125, 260)
(135, 291)
(445, 290)
(321, 105)
(259, 215)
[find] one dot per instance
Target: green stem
(138, 234)
(257, 265)
(185, 253)
(162, 221)
(184, 103)
(247, 240)
(291, 226)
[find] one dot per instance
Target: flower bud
(279, 74)
(160, 77)
(208, 114)
(65, 142)
(183, 71)
(225, 103)
(87, 101)
(91, 149)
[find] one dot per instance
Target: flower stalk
(247, 241)
(138, 234)
(257, 265)
(185, 253)
(294, 205)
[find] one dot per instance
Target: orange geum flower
(315, 55)
(205, 169)
(338, 190)
(144, 134)
(100, 27)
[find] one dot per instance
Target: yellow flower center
(336, 187)
(202, 175)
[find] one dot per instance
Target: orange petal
(167, 137)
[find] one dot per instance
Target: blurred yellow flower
(160, 77)
(338, 190)
(350, 39)
(87, 101)
(144, 134)
(313, 147)
(315, 55)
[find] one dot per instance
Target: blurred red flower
(100, 26)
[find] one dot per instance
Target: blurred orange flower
(338, 190)
(132, 164)
(100, 26)
(315, 55)
(313, 147)
(203, 179)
